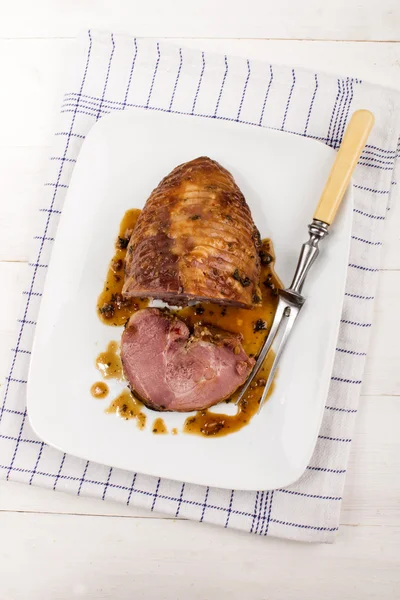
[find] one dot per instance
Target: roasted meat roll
(195, 240)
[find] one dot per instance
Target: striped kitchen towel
(115, 73)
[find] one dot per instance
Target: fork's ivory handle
(352, 145)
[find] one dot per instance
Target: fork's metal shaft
(309, 252)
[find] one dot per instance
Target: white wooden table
(53, 546)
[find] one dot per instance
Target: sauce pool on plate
(112, 308)
(159, 426)
(128, 407)
(109, 362)
(99, 390)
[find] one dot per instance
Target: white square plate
(123, 158)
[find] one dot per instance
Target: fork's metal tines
(264, 351)
(281, 337)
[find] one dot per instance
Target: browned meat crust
(195, 240)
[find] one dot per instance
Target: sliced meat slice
(195, 240)
(174, 371)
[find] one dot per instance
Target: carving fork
(291, 300)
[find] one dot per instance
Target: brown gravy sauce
(128, 407)
(111, 307)
(159, 426)
(109, 362)
(253, 324)
(99, 390)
